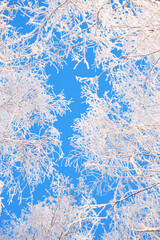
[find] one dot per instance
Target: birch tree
(121, 149)
(57, 217)
(117, 139)
(26, 155)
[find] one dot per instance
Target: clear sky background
(121, 141)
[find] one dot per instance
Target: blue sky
(121, 127)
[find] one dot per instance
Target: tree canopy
(116, 142)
